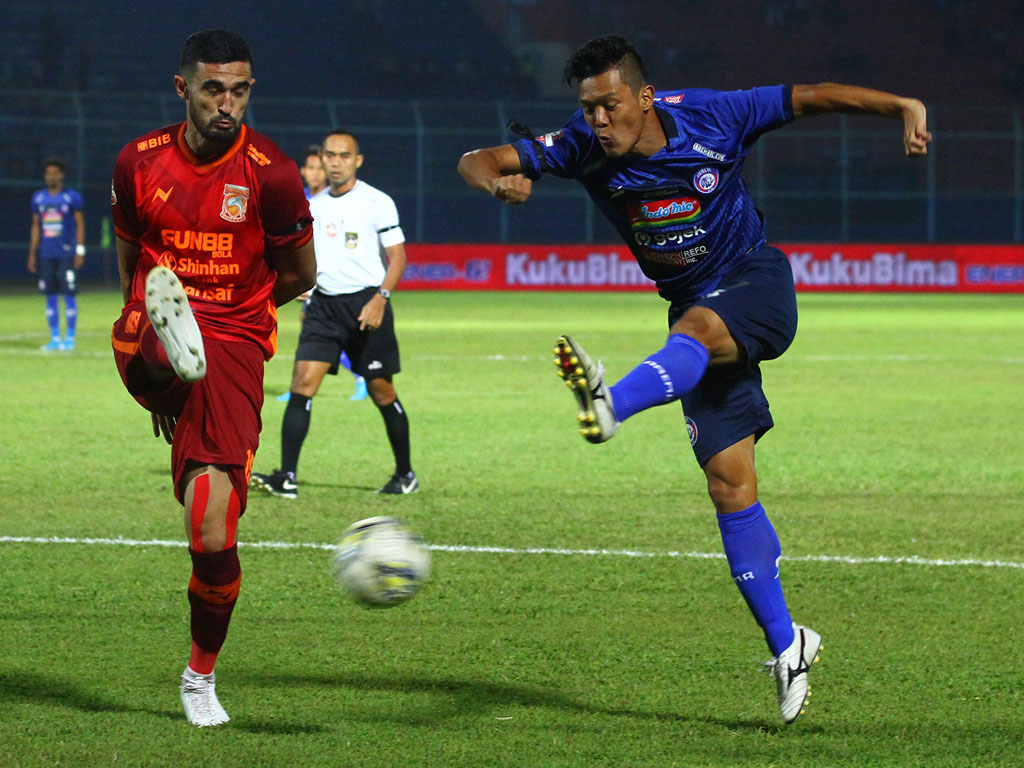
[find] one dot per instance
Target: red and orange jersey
(212, 225)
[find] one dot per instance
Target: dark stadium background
(422, 82)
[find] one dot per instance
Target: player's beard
(221, 136)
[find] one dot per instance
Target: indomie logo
(659, 213)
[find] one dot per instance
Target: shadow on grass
(454, 698)
(40, 689)
(348, 487)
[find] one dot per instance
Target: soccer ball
(380, 562)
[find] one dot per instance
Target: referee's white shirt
(350, 234)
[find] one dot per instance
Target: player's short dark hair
(213, 46)
(313, 150)
(597, 56)
(343, 132)
(55, 162)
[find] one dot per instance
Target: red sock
(212, 593)
(201, 661)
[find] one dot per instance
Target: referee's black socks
(294, 427)
(396, 422)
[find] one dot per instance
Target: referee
(360, 253)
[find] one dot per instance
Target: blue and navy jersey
(58, 231)
(684, 211)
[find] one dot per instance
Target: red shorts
(218, 417)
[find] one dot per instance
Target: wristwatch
(385, 293)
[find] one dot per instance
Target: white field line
(843, 359)
(499, 358)
(466, 549)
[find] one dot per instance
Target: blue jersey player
(665, 167)
(58, 236)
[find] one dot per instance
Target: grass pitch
(893, 477)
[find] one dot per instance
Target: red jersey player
(213, 233)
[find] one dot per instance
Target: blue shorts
(757, 302)
(57, 275)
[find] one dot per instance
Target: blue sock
(665, 376)
(70, 315)
(52, 316)
(753, 551)
(344, 362)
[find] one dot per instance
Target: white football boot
(169, 311)
(791, 669)
(586, 380)
(199, 697)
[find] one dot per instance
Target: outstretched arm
(498, 172)
(833, 97)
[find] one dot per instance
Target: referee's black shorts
(332, 327)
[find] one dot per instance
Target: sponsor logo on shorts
(375, 365)
(236, 200)
(131, 325)
(691, 430)
(706, 180)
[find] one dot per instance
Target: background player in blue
(58, 234)
(665, 168)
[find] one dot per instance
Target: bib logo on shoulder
(236, 200)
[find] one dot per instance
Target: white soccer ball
(380, 562)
